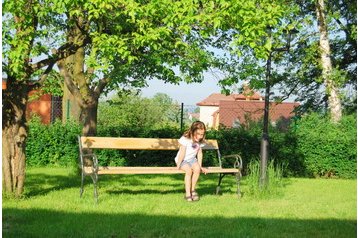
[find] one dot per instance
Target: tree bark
(89, 118)
(86, 98)
(14, 135)
(334, 102)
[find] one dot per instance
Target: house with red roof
(237, 109)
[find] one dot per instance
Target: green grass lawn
(153, 206)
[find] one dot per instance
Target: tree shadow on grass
(169, 184)
(41, 183)
(50, 223)
(38, 184)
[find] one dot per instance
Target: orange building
(46, 106)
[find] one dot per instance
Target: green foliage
(52, 145)
(249, 32)
(130, 115)
(238, 141)
(133, 111)
(133, 41)
(312, 146)
(30, 30)
(328, 149)
(54, 84)
(246, 142)
(303, 73)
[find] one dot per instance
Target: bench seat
(151, 170)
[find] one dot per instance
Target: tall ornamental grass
(274, 180)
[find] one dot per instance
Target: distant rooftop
(215, 98)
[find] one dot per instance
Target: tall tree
(255, 41)
(332, 92)
(343, 15)
(311, 74)
(27, 61)
(126, 43)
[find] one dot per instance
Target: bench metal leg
(82, 182)
(94, 177)
(238, 178)
(218, 189)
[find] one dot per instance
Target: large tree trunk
(14, 136)
(89, 118)
(86, 98)
(77, 80)
(334, 102)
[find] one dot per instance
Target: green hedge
(54, 145)
(246, 141)
(328, 149)
(312, 147)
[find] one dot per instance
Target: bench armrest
(236, 157)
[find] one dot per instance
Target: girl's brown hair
(198, 125)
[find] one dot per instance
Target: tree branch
(57, 54)
(70, 85)
(101, 85)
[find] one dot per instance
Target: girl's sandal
(195, 196)
(188, 199)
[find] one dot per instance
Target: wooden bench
(87, 144)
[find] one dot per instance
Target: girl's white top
(192, 148)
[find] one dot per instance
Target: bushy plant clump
(328, 149)
(246, 141)
(55, 144)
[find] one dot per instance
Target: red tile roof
(215, 98)
(253, 110)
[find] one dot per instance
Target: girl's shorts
(189, 162)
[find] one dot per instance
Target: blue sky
(189, 94)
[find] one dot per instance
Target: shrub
(313, 147)
(246, 141)
(328, 149)
(55, 144)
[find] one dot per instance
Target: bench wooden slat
(137, 143)
(152, 170)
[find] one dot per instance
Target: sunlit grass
(153, 206)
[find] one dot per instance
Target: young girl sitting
(190, 157)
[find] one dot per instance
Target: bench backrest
(127, 143)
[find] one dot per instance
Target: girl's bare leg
(194, 179)
(187, 179)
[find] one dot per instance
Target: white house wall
(206, 115)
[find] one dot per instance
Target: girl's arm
(182, 150)
(200, 161)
